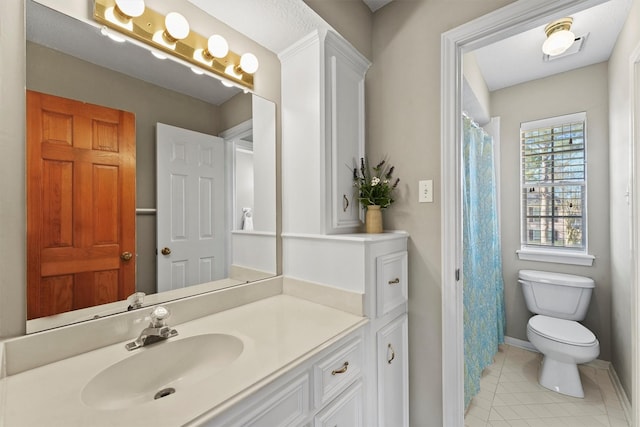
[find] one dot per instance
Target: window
(553, 179)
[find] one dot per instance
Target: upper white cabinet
(322, 134)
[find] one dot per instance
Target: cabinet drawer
(391, 282)
(345, 411)
(336, 371)
(285, 407)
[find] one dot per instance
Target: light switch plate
(425, 191)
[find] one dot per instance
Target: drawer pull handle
(393, 354)
(394, 281)
(342, 370)
(345, 203)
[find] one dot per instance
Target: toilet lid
(561, 330)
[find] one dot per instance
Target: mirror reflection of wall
(51, 71)
(243, 214)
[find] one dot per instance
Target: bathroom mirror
(71, 59)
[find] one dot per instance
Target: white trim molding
(514, 18)
(633, 414)
(556, 256)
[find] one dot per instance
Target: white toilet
(559, 301)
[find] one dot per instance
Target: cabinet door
(391, 282)
(393, 374)
(344, 121)
(345, 411)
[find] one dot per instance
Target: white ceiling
(376, 4)
(277, 24)
(519, 58)
(274, 24)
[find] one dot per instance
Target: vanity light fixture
(171, 36)
(124, 11)
(127, 9)
(249, 63)
(176, 27)
(559, 37)
(217, 47)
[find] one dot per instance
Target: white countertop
(277, 333)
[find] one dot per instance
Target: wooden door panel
(81, 204)
(56, 295)
(106, 227)
(57, 203)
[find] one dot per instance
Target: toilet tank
(564, 296)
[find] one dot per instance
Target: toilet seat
(562, 331)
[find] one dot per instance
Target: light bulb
(231, 70)
(558, 42)
(249, 63)
(176, 27)
(197, 71)
(130, 8)
(217, 46)
(158, 55)
(116, 38)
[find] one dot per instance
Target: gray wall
(403, 122)
(554, 96)
(620, 120)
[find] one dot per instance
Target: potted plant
(375, 189)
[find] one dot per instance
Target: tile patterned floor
(510, 396)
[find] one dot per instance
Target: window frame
(555, 254)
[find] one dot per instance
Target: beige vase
(373, 219)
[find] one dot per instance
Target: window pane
(553, 185)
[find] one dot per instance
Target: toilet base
(560, 377)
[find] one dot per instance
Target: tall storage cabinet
(322, 142)
(322, 134)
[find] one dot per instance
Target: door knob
(165, 251)
(126, 256)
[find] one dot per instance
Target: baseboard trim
(622, 395)
(515, 342)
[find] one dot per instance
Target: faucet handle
(159, 315)
(135, 300)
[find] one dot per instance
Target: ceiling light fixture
(171, 35)
(559, 37)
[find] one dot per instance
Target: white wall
(584, 89)
(620, 121)
(475, 94)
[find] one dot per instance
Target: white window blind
(553, 157)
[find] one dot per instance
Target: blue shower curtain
(483, 287)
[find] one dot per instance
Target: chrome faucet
(135, 301)
(156, 331)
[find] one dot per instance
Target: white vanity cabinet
(325, 390)
(393, 373)
(374, 265)
(322, 133)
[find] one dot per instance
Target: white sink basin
(161, 369)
